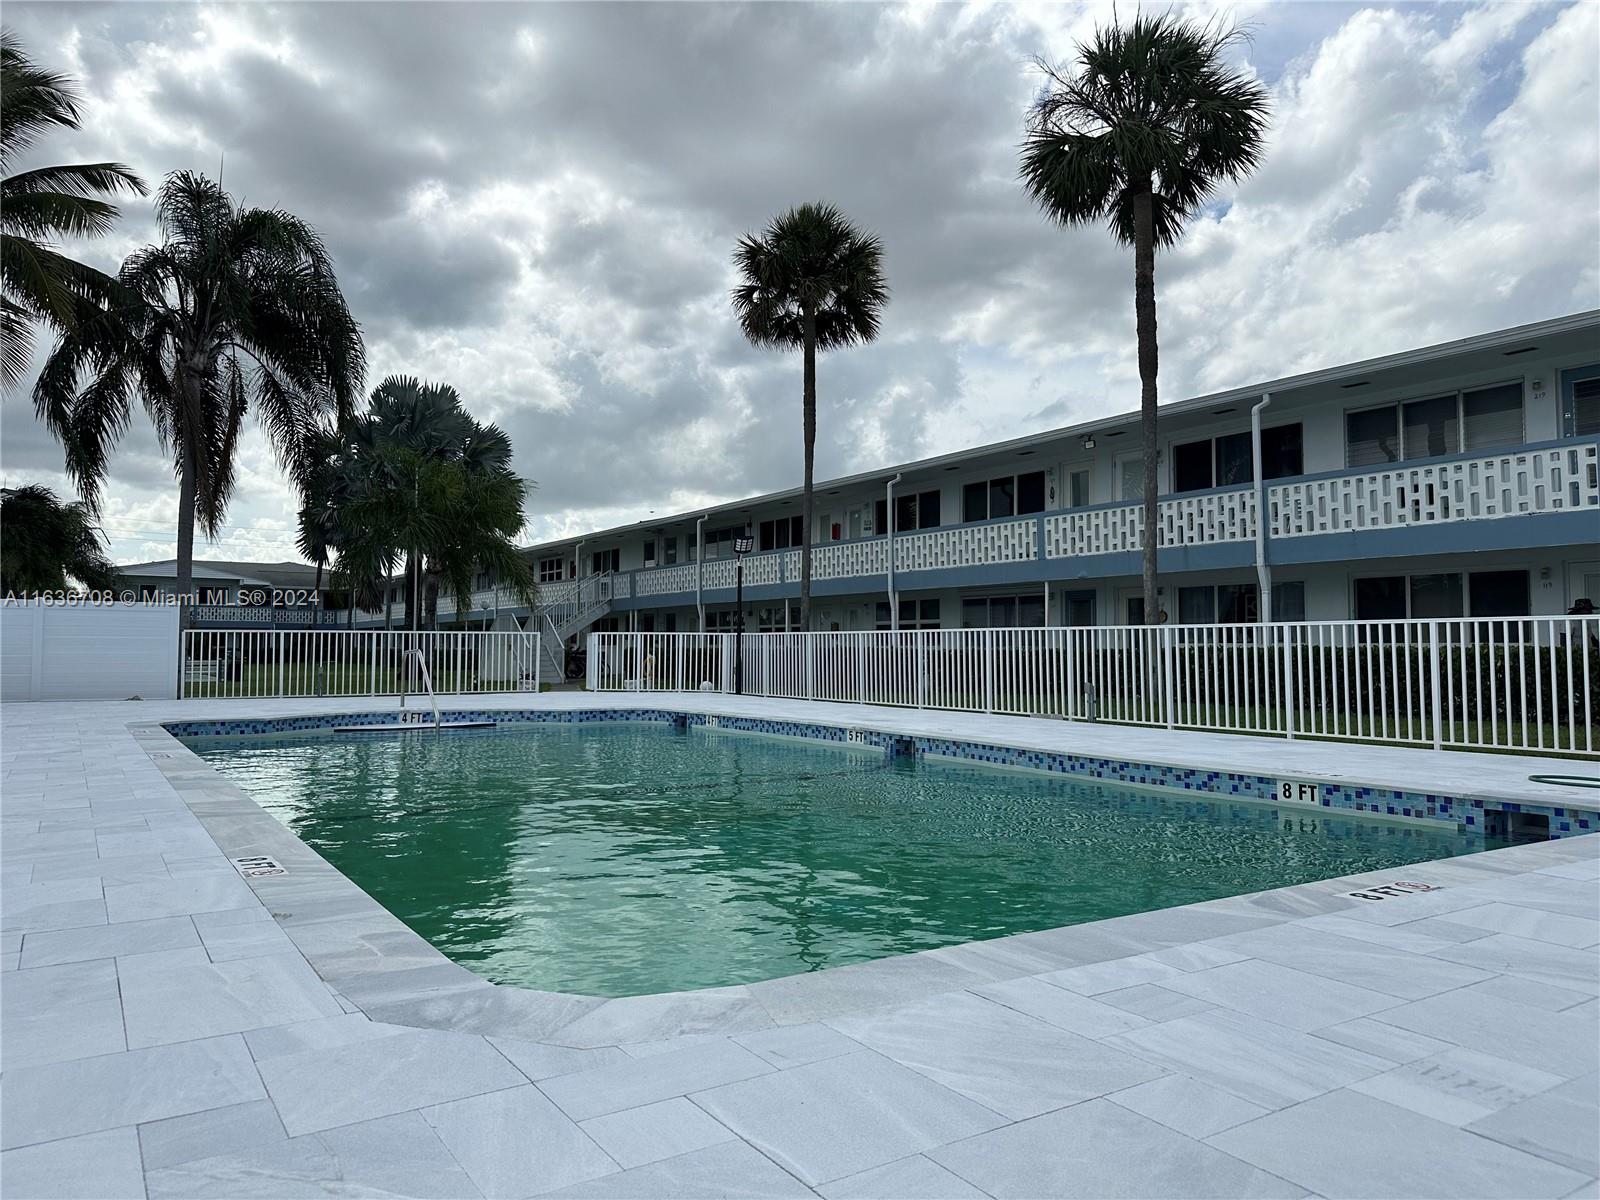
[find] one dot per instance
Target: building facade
(1452, 480)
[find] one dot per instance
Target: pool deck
(169, 1028)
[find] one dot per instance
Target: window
(1008, 496)
(666, 622)
(719, 620)
(914, 614)
(606, 560)
(779, 618)
(1002, 612)
(649, 552)
(1228, 461)
(1442, 595)
(1077, 489)
(719, 542)
(1381, 599)
(1499, 594)
(1435, 596)
(1191, 466)
(1492, 417)
(552, 569)
(1372, 436)
(919, 510)
(1130, 481)
(1289, 601)
(781, 533)
(214, 595)
(1487, 418)
(669, 550)
(1236, 603)
(1283, 451)
(1580, 415)
(1197, 605)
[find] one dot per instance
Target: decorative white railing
(967, 545)
(1513, 483)
(1527, 683)
(1545, 479)
(1198, 520)
(241, 614)
(362, 662)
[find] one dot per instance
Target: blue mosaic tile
(1462, 812)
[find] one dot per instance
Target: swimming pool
(627, 858)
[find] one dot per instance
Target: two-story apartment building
(1451, 480)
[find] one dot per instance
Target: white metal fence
(340, 662)
(1521, 683)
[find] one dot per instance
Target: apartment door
(1583, 582)
(1077, 608)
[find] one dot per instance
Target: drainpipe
(894, 606)
(700, 568)
(1263, 572)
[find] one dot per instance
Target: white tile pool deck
(168, 1029)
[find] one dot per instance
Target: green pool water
(623, 859)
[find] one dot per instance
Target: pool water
(622, 859)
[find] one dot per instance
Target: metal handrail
(427, 682)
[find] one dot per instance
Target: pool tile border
(1464, 812)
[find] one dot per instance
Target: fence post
(1437, 703)
(922, 667)
(372, 661)
(677, 663)
(1071, 706)
(861, 669)
(1169, 700)
(280, 662)
(988, 670)
(1290, 694)
(811, 666)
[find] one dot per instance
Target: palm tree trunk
(808, 498)
(1144, 309)
(184, 583)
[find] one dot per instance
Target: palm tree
(237, 308)
(428, 486)
(45, 542)
(40, 207)
(812, 281)
(1151, 123)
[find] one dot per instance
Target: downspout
(700, 569)
(1263, 571)
(894, 604)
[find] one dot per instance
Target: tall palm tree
(38, 208)
(432, 488)
(236, 308)
(44, 542)
(1152, 121)
(811, 281)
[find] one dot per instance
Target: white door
(1583, 580)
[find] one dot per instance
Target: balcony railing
(1550, 478)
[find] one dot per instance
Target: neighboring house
(1452, 480)
(284, 585)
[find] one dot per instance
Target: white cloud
(537, 203)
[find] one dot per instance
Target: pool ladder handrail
(427, 683)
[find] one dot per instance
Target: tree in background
(43, 206)
(236, 308)
(46, 543)
(421, 483)
(812, 281)
(1145, 129)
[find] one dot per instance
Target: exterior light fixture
(742, 544)
(1088, 441)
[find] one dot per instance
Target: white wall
(53, 652)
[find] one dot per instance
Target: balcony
(1552, 478)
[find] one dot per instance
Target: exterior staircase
(565, 609)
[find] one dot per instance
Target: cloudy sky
(537, 203)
